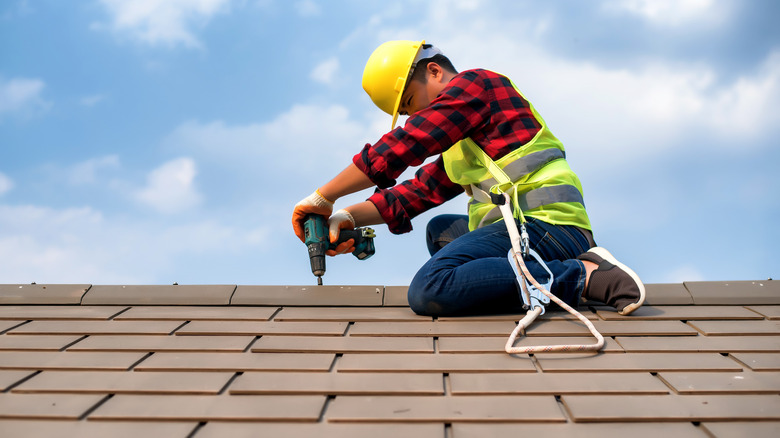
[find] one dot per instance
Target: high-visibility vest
(536, 176)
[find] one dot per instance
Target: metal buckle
(535, 297)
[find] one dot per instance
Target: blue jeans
(469, 273)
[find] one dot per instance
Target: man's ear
(434, 72)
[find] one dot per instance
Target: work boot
(613, 283)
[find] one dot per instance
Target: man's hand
(312, 204)
(341, 220)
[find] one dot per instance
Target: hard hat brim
(403, 86)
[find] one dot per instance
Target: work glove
(312, 204)
(341, 220)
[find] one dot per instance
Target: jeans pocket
(550, 249)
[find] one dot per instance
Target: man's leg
(472, 274)
(444, 229)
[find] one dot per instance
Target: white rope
(533, 313)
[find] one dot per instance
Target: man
(489, 139)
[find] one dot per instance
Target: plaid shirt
(479, 104)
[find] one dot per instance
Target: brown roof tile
(211, 407)
(701, 359)
(589, 408)
(487, 408)
(42, 293)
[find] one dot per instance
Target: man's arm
(349, 181)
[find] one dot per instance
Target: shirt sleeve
(429, 187)
(461, 109)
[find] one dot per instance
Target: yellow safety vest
(536, 176)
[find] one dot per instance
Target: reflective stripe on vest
(528, 201)
(524, 166)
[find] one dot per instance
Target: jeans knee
(422, 300)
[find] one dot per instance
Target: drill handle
(364, 241)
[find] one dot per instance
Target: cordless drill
(316, 238)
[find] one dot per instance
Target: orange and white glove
(341, 220)
(312, 204)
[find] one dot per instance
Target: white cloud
(170, 188)
(86, 172)
(5, 184)
(673, 12)
(167, 23)
(305, 138)
(308, 8)
(81, 245)
(615, 115)
(683, 273)
(325, 71)
(22, 96)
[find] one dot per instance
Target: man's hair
(422, 65)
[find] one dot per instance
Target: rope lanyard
(534, 295)
(535, 302)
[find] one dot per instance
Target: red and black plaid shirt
(479, 104)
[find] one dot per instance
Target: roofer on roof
(482, 129)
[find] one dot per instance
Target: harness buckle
(497, 198)
(532, 297)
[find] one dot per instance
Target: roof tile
(92, 429)
(588, 408)
(633, 362)
(338, 383)
(759, 361)
(734, 292)
(41, 342)
(47, 360)
(48, 327)
(433, 328)
(308, 295)
(556, 384)
(111, 382)
(444, 409)
(701, 343)
(747, 429)
(42, 293)
(396, 296)
(263, 328)
(687, 313)
(320, 430)
(191, 295)
(667, 294)
(348, 360)
(434, 363)
(350, 314)
(770, 312)
(59, 312)
(579, 430)
(732, 328)
(235, 362)
(342, 344)
(164, 343)
(9, 378)
(46, 406)
(720, 383)
(192, 313)
(208, 407)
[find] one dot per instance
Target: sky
(153, 142)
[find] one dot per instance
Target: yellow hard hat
(388, 70)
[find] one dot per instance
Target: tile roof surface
(699, 359)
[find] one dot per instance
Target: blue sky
(152, 142)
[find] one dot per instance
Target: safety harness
(535, 296)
